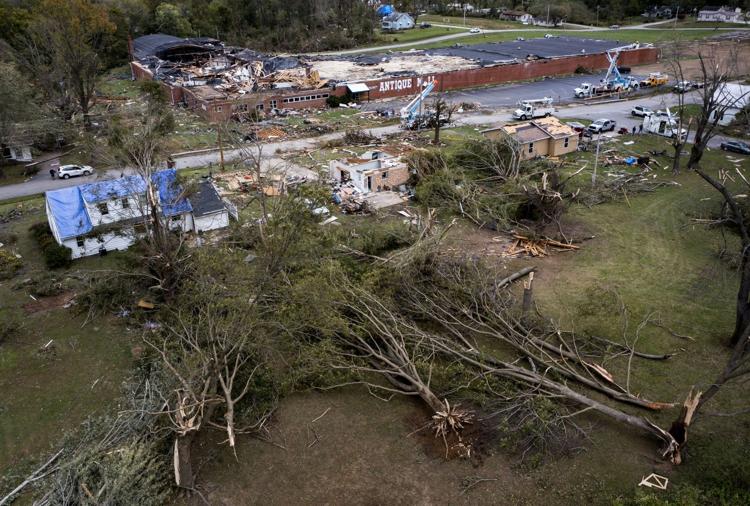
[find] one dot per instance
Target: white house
(520, 16)
(721, 14)
(111, 215)
(734, 97)
(397, 21)
(20, 153)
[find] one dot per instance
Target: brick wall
(407, 86)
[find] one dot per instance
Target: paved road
(618, 111)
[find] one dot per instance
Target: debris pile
(536, 247)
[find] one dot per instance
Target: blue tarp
(171, 197)
(384, 10)
(69, 212)
(114, 188)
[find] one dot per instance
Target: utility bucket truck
(613, 82)
(534, 108)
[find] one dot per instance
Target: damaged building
(378, 170)
(221, 82)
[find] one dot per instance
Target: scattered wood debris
(536, 247)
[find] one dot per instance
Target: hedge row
(56, 256)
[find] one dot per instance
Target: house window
(125, 203)
(259, 107)
(79, 241)
(273, 104)
(218, 108)
(531, 147)
(103, 208)
(566, 142)
(176, 218)
(385, 175)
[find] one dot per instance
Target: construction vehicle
(535, 108)
(412, 115)
(655, 79)
(613, 81)
(663, 123)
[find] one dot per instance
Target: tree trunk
(676, 159)
(183, 464)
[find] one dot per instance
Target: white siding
(93, 244)
(211, 221)
(117, 210)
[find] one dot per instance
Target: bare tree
(677, 123)
(715, 97)
(441, 114)
(211, 354)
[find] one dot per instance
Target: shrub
(8, 327)
(56, 256)
(9, 264)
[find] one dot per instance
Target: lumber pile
(536, 247)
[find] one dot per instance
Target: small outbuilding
(542, 137)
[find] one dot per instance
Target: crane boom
(411, 110)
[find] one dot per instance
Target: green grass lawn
(413, 35)
(624, 36)
(46, 394)
(16, 173)
(471, 22)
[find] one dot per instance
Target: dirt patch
(691, 65)
(47, 303)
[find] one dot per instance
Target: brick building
(222, 82)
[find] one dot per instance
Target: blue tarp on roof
(69, 212)
(384, 10)
(171, 197)
(114, 188)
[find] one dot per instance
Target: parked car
(698, 85)
(641, 111)
(683, 87)
(475, 30)
(614, 27)
(601, 125)
(424, 24)
(67, 171)
(736, 147)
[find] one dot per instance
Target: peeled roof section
(171, 194)
(169, 47)
(206, 200)
(113, 188)
(69, 212)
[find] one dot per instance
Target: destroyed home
(221, 82)
(371, 171)
(519, 16)
(94, 218)
(397, 21)
(541, 137)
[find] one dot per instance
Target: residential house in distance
(540, 137)
(520, 16)
(111, 215)
(721, 14)
(460, 7)
(372, 171)
(658, 12)
(16, 153)
(397, 21)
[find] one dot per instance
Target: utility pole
(596, 160)
(547, 14)
(677, 15)
(597, 15)
(221, 148)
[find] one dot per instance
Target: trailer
(535, 108)
(664, 124)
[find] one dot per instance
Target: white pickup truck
(534, 108)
